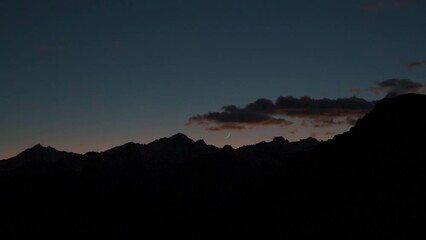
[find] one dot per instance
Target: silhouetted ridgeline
(367, 183)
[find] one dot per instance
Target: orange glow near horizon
(236, 139)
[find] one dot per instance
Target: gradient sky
(89, 75)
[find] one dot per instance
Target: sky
(89, 75)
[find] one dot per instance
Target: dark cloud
(314, 112)
(262, 105)
(317, 113)
(307, 107)
(417, 64)
(236, 118)
(324, 122)
(394, 87)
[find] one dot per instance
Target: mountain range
(176, 149)
(366, 183)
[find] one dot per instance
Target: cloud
(235, 118)
(262, 105)
(315, 113)
(417, 64)
(307, 107)
(328, 122)
(262, 112)
(394, 87)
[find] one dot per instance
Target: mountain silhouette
(366, 183)
(175, 149)
(394, 122)
(38, 153)
(372, 174)
(282, 145)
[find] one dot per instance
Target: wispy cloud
(395, 86)
(329, 122)
(417, 64)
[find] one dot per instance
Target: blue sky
(88, 75)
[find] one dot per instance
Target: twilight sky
(89, 75)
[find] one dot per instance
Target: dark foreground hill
(368, 183)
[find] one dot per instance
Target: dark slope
(389, 139)
(368, 183)
(397, 124)
(372, 179)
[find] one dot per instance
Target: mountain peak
(279, 139)
(201, 142)
(37, 146)
(228, 148)
(39, 153)
(178, 140)
(179, 136)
